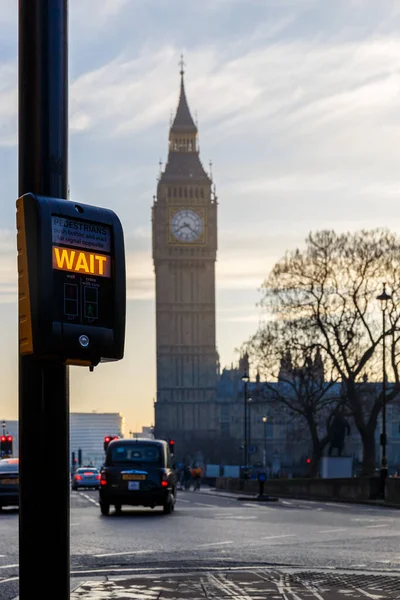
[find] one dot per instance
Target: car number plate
(134, 477)
(133, 485)
(9, 481)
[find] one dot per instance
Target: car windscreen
(135, 454)
(88, 470)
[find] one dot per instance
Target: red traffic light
(10, 438)
(3, 438)
(308, 460)
(107, 438)
(172, 442)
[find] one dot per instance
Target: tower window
(174, 192)
(180, 192)
(186, 192)
(169, 192)
(201, 193)
(196, 192)
(191, 192)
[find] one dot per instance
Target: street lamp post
(384, 298)
(264, 420)
(245, 379)
(249, 401)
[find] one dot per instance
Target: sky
(297, 103)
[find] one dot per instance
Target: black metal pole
(265, 444)
(249, 427)
(245, 429)
(384, 469)
(43, 385)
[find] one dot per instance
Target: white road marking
(239, 517)
(367, 594)
(2, 555)
(375, 526)
(286, 502)
(229, 588)
(214, 544)
(9, 579)
(122, 553)
(203, 504)
(90, 499)
(182, 500)
(369, 520)
(9, 566)
(331, 530)
(283, 535)
(259, 505)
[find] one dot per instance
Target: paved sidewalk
(257, 584)
(247, 495)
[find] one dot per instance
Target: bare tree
(331, 290)
(293, 369)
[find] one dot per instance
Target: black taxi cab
(137, 472)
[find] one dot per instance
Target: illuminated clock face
(186, 225)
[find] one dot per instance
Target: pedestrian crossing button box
(72, 281)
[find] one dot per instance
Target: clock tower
(184, 219)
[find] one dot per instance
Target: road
(208, 530)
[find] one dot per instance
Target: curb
(250, 498)
(259, 499)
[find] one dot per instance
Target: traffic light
(171, 444)
(308, 461)
(107, 440)
(80, 457)
(6, 445)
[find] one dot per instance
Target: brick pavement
(244, 585)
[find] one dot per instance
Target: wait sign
(71, 281)
(91, 263)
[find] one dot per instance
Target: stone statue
(338, 430)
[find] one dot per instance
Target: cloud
(84, 15)
(8, 14)
(139, 275)
(8, 104)
(8, 267)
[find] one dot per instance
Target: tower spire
(183, 121)
(183, 147)
(182, 66)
